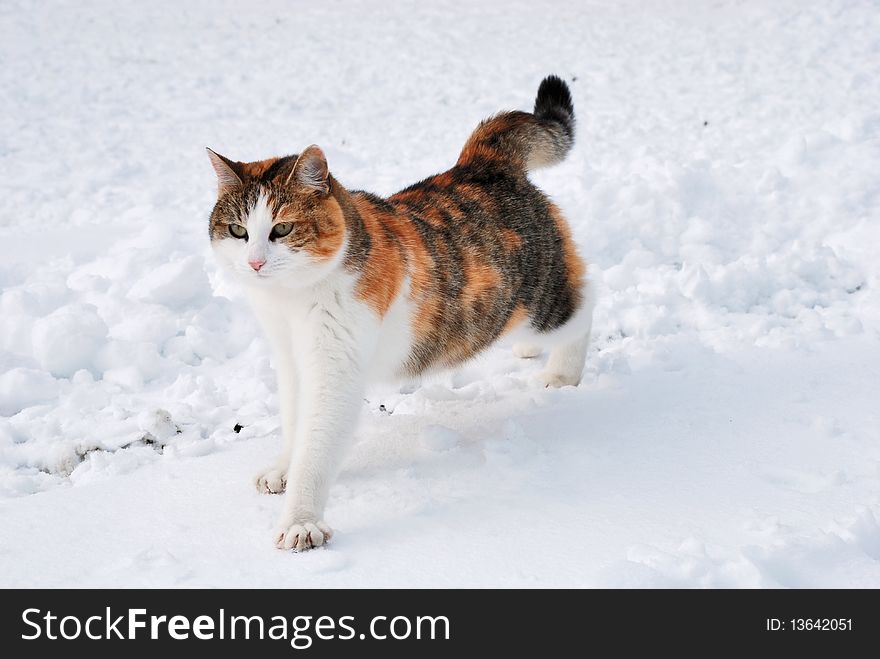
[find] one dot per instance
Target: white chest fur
(296, 320)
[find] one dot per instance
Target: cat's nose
(256, 264)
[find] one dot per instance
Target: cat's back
(478, 250)
(470, 253)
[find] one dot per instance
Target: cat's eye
(281, 229)
(238, 231)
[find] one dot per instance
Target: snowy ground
(724, 183)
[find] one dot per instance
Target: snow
(68, 339)
(723, 185)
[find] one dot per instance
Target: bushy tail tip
(553, 103)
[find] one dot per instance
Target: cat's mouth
(250, 274)
(263, 276)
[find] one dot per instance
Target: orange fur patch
(575, 266)
(383, 273)
(478, 194)
(496, 138)
(517, 318)
(256, 169)
(510, 239)
(331, 231)
(481, 278)
(422, 280)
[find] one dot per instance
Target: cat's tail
(524, 140)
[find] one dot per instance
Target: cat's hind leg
(566, 363)
(567, 343)
(568, 353)
(525, 350)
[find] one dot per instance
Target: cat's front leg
(331, 392)
(273, 479)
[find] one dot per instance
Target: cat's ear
(228, 174)
(310, 171)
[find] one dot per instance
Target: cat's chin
(269, 282)
(285, 280)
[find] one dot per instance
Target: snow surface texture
(724, 183)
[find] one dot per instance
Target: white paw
(271, 481)
(305, 535)
(557, 380)
(526, 350)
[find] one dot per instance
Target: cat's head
(278, 221)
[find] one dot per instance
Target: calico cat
(350, 287)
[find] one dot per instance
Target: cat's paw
(302, 536)
(557, 380)
(271, 481)
(526, 350)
